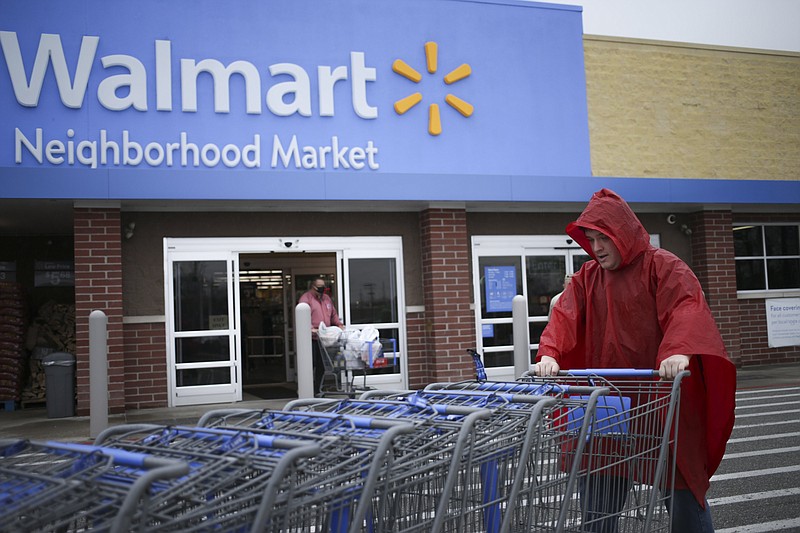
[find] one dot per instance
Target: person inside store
(322, 312)
(637, 306)
(555, 298)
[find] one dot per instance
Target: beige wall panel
(142, 255)
(676, 111)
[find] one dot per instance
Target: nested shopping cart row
(619, 474)
(529, 455)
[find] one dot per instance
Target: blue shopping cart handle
(120, 457)
(610, 372)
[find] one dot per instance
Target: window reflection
(373, 291)
(202, 349)
(767, 257)
(545, 277)
(201, 295)
(202, 376)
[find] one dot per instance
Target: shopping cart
(427, 478)
(234, 475)
(53, 486)
(527, 487)
(345, 360)
(336, 489)
(627, 451)
(627, 470)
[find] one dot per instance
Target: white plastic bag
(370, 345)
(329, 335)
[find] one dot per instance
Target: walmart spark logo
(404, 104)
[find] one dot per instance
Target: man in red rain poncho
(637, 306)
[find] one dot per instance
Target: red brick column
(449, 323)
(145, 365)
(98, 286)
(714, 265)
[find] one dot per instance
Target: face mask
(320, 290)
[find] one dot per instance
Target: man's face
(319, 286)
(604, 249)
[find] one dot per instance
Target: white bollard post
(98, 373)
(522, 354)
(305, 360)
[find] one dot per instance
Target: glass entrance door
(373, 298)
(205, 343)
(533, 266)
(203, 318)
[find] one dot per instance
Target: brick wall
(449, 322)
(752, 312)
(98, 286)
(713, 264)
(755, 348)
(672, 110)
(145, 365)
(418, 364)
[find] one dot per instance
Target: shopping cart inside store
(348, 354)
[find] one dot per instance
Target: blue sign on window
(501, 287)
(487, 330)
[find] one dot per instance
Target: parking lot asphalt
(34, 424)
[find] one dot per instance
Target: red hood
(611, 215)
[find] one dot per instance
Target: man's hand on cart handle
(673, 365)
(547, 366)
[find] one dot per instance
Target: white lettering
(93, 153)
(50, 50)
(327, 80)
(230, 161)
(356, 157)
(187, 147)
(105, 145)
(214, 159)
(163, 75)
(20, 140)
(361, 75)
(70, 147)
(171, 149)
(338, 155)
(148, 151)
(300, 87)
(251, 153)
(277, 150)
(317, 156)
(221, 75)
(372, 151)
(127, 146)
(121, 91)
(310, 157)
(53, 151)
(88, 160)
(135, 81)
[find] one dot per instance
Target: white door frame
(216, 247)
(217, 393)
(519, 246)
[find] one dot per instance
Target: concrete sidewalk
(34, 423)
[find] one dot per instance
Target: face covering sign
(783, 322)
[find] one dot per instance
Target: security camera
(569, 241)
(288, 244)
(671, 219)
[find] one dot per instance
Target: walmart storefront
(206, 163)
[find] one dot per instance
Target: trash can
(59, 375)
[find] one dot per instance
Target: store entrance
(270, 286)
(230, 305)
